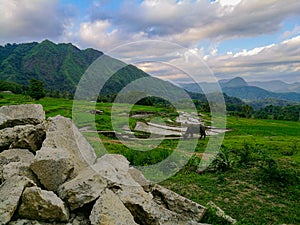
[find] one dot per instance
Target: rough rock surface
(109, 210)
(83, 189)
(18, 168)
(13, 115)
(16, 155)
(15, 161)
(172, 201)
(139, 178)
(10, 194)
(65, 176)
(38, 204)
(53, 166)
(62, 133)
(115, 169)
(25, 137)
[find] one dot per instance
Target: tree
(36, 89)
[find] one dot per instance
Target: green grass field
(256, 181)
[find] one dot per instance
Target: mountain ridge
(238, 87)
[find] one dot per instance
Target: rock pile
(49, 174)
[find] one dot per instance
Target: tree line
(234, 106)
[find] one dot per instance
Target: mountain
(238, 87)
(277, 86)
(235, 82)
(59, 66)
(252, 93)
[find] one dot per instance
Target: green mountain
(252, 93)
(59, 66)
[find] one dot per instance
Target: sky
(254, 39)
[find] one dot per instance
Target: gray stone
(18, 168)
(114, 168)
(53, 166)
(62, 133)
(38, 204)
(22, 156)
(139, 178)
(220, 213)
(13, 115)
(15, 161)
(184, 207)
(84, 188)
(26, 137)
(17, 155)
(10, 194)
(109, 210)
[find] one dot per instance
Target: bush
(271, 172)
(36, 89)
(192, 165)
(222, 162)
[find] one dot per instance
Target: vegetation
(36, 89)
(255, 178)
(291, 113)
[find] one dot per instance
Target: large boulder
(62, 133)
(115, 169)
(53, 166)
(10, 194)
(26, 137)
(109, 210)
(138, 177)
(84, 188)
(184, 207)
(14, 115)
(16, 155)
(38, 204)
(18, 168)
(15, 161)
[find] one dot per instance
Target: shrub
(192, 165)
(222, 162)
(271, 172)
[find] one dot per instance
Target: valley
(256, 172)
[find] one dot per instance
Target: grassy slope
(240, 191)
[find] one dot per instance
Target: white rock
(62, 133)
(10, 194)
(83, 189)
(25, 137)
(109, 210)
(18, 168)
(186, 208)
(13, 115)
(53, 166)
(38, 204)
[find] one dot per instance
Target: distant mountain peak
(235, 82)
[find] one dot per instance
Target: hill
(59, 66)
(277, 86)
(252, 93)
(238, 87)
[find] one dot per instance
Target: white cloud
(188, 22)
(30, 19)
(263, 62)
(229, 2)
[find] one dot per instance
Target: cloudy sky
(253, 39)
